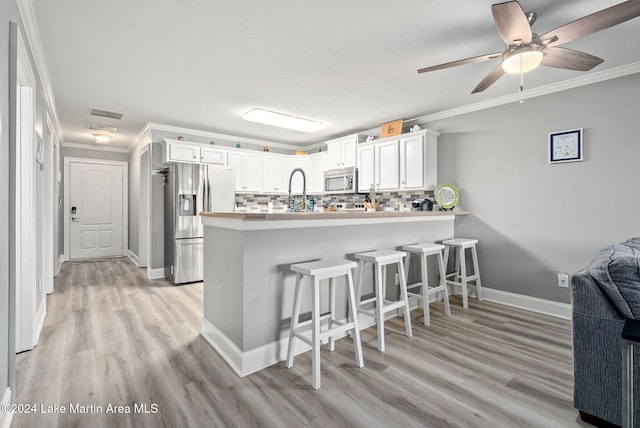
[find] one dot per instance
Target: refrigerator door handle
(206, 194)
(209, 194)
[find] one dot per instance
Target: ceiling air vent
(100, 127)
(105, 113)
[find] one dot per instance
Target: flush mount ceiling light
(102, 138)
(282, 120)
(522, 59)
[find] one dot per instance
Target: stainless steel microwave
(343, 180)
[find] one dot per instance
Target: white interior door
(95, 209)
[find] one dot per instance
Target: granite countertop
(330, 215)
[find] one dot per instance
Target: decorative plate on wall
(447, 195)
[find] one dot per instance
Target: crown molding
(611, 73)
(25, 8)
(94, 147)
(215, 135)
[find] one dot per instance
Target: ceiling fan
(526, 50)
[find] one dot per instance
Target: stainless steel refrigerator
(189, 190)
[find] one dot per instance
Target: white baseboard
(155, 273)
(245, 363)
(134, 257)
(533, 304)
(59, 264)
(6, 417)
(40, 317)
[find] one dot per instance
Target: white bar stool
(380, 260)
(424, 250)
(460, 276)
(319, 270)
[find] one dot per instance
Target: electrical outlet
(397, 279)
(563, 280)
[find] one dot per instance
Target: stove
(349, 206)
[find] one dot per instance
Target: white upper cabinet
(404, 162)
(341, 152)
(387, 166)
(248, 168)
(212, 155)
(178, 151)
(366, 167)
(182, 151)
(317, 167)
(274, 173)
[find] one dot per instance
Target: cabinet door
(183, 153)
(252, 172)
(366, 167)
(349, 153)
(301, 162)
(412, 162)
(213, 156)
(387, 166)
(235, 163)
(317, 167)
(334, 156)
(274, 173)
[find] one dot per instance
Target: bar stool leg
(443, 284)
(403, 293)
(463, 276)
(332, 311)
(315, 334)
(627, 384)
(354, 319)
(294, 319)
(379, 281)
(476, 271)
(425, 290)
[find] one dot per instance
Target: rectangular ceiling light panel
(282, 120)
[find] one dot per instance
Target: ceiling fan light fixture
(522, 59)
(282, 120)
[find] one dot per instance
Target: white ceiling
(351, 64)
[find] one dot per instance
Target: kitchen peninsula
(248, 287)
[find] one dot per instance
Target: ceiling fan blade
(489, 79)
(569, 59)
(511, 22)
(592, 23)
(461, 62)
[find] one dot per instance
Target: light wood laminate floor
(113, 337)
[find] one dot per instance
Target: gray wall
(535, 219)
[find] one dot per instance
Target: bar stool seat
(424, 250)
(459, 276)
(380, 260)
(317, 271)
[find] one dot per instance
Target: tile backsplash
(387, 200)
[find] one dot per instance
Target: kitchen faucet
(304, 188)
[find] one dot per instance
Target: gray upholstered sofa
(604, 294)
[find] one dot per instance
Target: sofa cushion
(617, 273)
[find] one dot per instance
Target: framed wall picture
(390, 129)
(565, 146)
